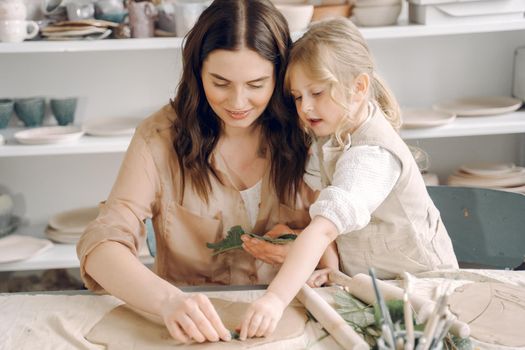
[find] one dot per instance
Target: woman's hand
(262, 316)
(193, 317)
(273, 254)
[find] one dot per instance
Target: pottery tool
(330, 320)
(361, 287)
(387, 326)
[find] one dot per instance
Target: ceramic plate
(112, 127)
(18, 247)
(49, 135)
(61, 237)
(479, 106)
(425, 118)
(459, 179)
(73, 221)
(14, 222)
(489, 169)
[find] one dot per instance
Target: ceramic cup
(166, 20)
(186, 14)
(142, 17)
(110, 10)
(63, 109)
(55, 9)
(31, 110)
(6, 112)
(12, 10)
(17, 31)
(80, 10)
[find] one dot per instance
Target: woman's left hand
(262, 316)
(273, 254)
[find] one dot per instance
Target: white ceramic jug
(12, 10)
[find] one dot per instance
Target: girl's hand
(319, 277)
(273, 254)
(262, 316)
(193, 317)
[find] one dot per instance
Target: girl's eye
(318, 93)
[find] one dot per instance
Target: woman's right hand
(192, 317)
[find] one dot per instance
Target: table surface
(30, 320)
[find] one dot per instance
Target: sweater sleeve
(364, 176)
(121, 217)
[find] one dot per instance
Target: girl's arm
(263, 315)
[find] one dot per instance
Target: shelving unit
(59, 256)
(512, 123)
(423, 64)
(402, 30)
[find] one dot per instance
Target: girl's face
(238, 85)
(317, 110)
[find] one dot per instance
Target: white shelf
(402, 30)
(59, 256)
(405, 30)
(511, 123)
(91, 45)
(86, 144)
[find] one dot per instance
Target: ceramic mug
(12, 10)
(110, 10)
(187, 14)
(17, 31)
(142, 17)
(31, 111)
(63, 109)
(166, 20)
(6, 112)
(80, 10)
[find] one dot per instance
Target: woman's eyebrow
(258, 80)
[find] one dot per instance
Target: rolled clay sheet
(124, 329)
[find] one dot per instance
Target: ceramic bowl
(370, 3)
(375, 16)
(63, 109)
(31, 110)
(331, 11)
(297, 16)
(6, 112)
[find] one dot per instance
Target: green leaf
(233, 240)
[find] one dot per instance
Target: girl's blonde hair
(334, 51)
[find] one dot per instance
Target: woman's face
(238, 85)
(317, 110)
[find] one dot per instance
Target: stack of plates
(78, 30)
(500, 176)
(68, 226)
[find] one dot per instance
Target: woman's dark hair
(232, 25)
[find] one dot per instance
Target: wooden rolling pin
(361, 287)
(331, 320)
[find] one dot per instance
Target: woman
(225, 152)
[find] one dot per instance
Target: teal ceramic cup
(6, 112)
(31, 110)
(63, 109)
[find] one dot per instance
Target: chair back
(487, 227)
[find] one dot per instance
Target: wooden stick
(331, 320)
(361, 287)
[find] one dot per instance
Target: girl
(373, 200)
